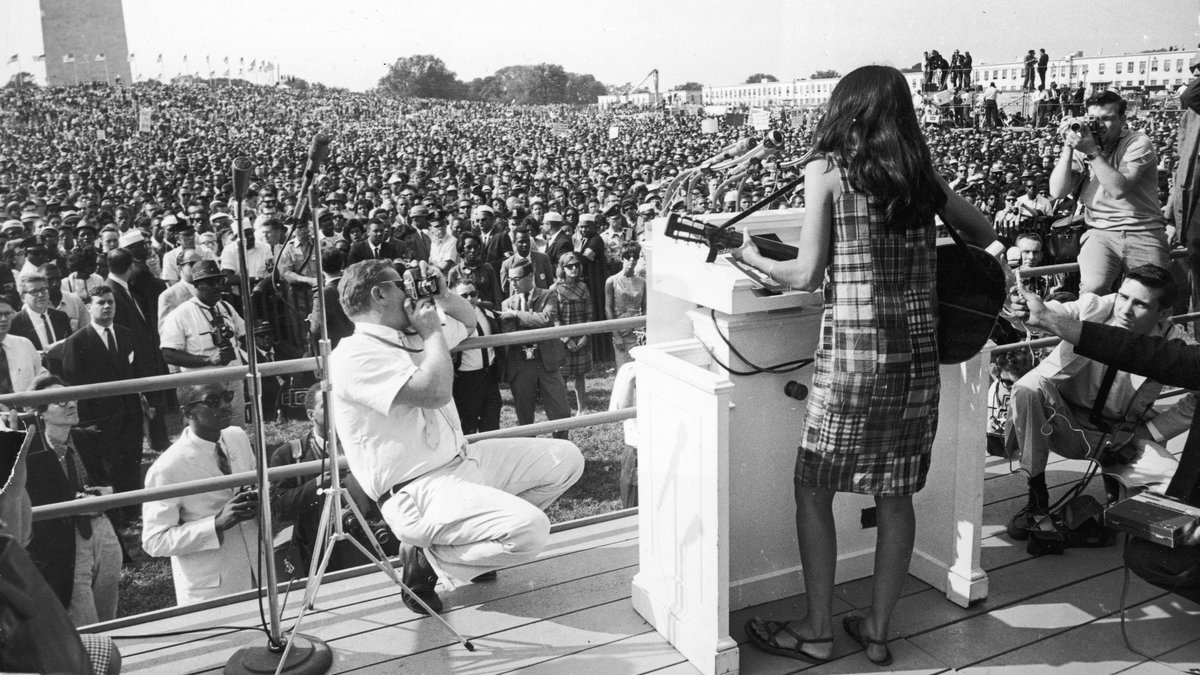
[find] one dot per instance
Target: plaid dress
(574, 306)
(872, 411)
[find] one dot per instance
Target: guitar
(970, 282)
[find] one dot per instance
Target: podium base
(307, 656)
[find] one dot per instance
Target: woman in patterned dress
(871, 194)
(574, 306)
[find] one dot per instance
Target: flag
(68, 58)
(226, 60)
(253, 64)
(99, 58)
(12, 59)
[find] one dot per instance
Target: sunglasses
(469, 294)
(571, 266)
(212, 401)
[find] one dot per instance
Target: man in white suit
(211, 537)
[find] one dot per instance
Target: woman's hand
(748, 253)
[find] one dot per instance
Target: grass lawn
(146, 582)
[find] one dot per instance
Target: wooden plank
(1183, 659)
(1155, 627)
(641, 653)
(381, 593)
(376, 632)
(1000, 630)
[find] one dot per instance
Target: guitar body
(971, 294)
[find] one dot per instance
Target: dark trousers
(122, 454)
(531, 382)
(477, 397)
(1174, 569)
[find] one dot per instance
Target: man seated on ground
(211, 537)
(300, 499)
(1173, 363)
(1070, 403)
(473, 508)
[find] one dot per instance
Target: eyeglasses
(469, 294)
(38, 292)
(212, 401)
(399, 283)
(571, 266)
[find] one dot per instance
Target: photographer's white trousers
(484, 512)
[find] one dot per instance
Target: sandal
(853, 627)
(762, 635)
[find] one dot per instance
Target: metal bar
(1025, 273)
(306, 364)
(105, 502)
(1050, 341)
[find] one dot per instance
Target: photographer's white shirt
(189, 329)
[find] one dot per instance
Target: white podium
(716, 453)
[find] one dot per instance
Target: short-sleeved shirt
(1139, 208)
(259, 259)
(388, 444)
(189, 328)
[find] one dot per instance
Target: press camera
(1090, 123)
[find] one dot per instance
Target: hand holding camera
(243, 506)
(1082, 133)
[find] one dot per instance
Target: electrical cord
(1125, 634)
(777, 369)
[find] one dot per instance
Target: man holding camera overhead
(1118, 168)
(468, 508)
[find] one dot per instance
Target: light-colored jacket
(203, 564)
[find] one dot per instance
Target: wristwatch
(1093, 155)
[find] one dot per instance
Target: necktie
(223, 460)
(376, 252)
(49, 331)
(6, 385)
(112, 343)
(525, 302)
(1106, 383)
(82, 523)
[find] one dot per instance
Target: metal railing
(159, 382)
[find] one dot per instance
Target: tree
(688, 86)
(421, 76)
(824, 75)
(761, 77)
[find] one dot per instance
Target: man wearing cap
(205, 331)
(37, 321)
(532, 370)
(443, 246)
(184, 234)
(182, 290)
(558, 238)
(259, 260)
(298, 268)
(412, 235)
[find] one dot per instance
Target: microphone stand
(336, 498)
(310, 655)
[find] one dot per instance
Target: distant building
(1149, 72)
(85, 41)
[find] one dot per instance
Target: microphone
(734, 149)
(316, 155)
(241, 176)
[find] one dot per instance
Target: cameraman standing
(1118, 168)
(204, 331)
(472, 508)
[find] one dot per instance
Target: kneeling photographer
(460, 510)
(1114, 171)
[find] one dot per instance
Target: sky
(349, 43)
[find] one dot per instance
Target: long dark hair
(872, 129)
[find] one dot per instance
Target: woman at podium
(871, 196)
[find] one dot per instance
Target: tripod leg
(320, 540)
(314, 581)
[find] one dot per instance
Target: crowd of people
(120, 238)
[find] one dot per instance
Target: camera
(419, 287)
(1087, 122)
(351, 526)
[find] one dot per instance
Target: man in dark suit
(148, 360)
(37, 321)
(543, 270)
(1172, 362)
(558, 238)
(104, 352)
(377, 246)
(532, 370)
(497, 244)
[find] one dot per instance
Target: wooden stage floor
(569, 612)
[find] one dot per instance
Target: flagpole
(106, 80)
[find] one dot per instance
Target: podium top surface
(678, 268)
